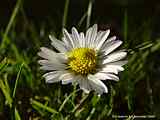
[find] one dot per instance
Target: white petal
(111, 39)
(99, 35)
(105, 76)
(112, 69)
(64, 82)
(93, 35)
(88, 37)
(98, 38)
(68, 39)
(52, 77)
(115, 57)
(109, 70)
(48, 65)
(75, 37)
(52, 56)
(47, 53)
(119, 63)
(82, 40)
(67, 78)
(59, 45)
(97, 84)
(111, 46)
(103, 39)
(67, 44)
(84, 85)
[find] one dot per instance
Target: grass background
(24, 28)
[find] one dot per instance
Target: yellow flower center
(82, 61)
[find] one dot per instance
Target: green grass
(25, 95)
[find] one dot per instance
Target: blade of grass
(78, 112)
(150, 93)
(17, 116)
(82, 102)
(95, 100)
(125, 33)
(67, 99)
(89, 11)
(16, 83)
(156, 46)
(65, 13)
(6, 83)
(125, 26)
(11, 21)
(41, 112)
(40, 105)
(21, 58)
(91, 113)
(6, 93)
(3, 64)
(34, 34)
(82, 19)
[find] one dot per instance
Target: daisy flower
(86, 59)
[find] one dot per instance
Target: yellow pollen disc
(82, 61)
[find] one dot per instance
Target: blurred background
(24, 28)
